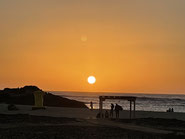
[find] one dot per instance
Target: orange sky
(129, 46)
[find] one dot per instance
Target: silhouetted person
(91, 105)
(170, 110)
(117, 110)
(112, 110)
(106, 114)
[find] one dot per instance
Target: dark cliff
(24, 96)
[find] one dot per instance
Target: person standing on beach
(91, 105)
(117, 110)
(112, 110)
(172, 110)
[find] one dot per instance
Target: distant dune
(24, 96)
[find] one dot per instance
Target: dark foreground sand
(24, 126)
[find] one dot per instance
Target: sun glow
(91, 79)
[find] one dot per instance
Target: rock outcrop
(24, 96)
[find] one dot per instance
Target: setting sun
(109, 63)
(91, 79)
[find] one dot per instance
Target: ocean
(144, 102)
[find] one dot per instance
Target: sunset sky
(133, 46)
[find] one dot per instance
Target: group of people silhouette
(115, 108)
(170, 110)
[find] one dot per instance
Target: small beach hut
(39, 100)
(128, 98)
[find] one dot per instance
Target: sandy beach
(92, 69)
(55, 122)
(86, 113)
